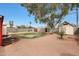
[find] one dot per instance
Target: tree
(75, 6)
(51, 14)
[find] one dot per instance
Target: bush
(61, 34)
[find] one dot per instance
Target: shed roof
(67, 23)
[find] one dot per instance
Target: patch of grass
(29, 35)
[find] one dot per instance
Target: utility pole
(30, 23)
(77, 15)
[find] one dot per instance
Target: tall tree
(51, 14)
(75, 6)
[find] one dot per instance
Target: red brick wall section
(1, 23)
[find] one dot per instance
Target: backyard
(28, 35)
(44, 30)
(47, 45)
(14, 37)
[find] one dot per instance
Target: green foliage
(48, 13)
(76, 7)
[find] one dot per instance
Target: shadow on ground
(9, 40)
(67, 54)
(77, 36)
(77, 39)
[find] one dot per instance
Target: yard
(28, 35)
(48, 45)
(38, 43)
(14, 37)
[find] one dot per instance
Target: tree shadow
(9, 40)
(77, 36)
(67, 54)
(77, 39)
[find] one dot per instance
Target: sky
(19, 15)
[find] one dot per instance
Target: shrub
(61, 34)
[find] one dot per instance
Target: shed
(67, 27)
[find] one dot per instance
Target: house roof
(67, 23)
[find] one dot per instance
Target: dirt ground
(48, 45)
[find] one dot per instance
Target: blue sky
(20, 16)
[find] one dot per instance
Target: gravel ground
(47, 45)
